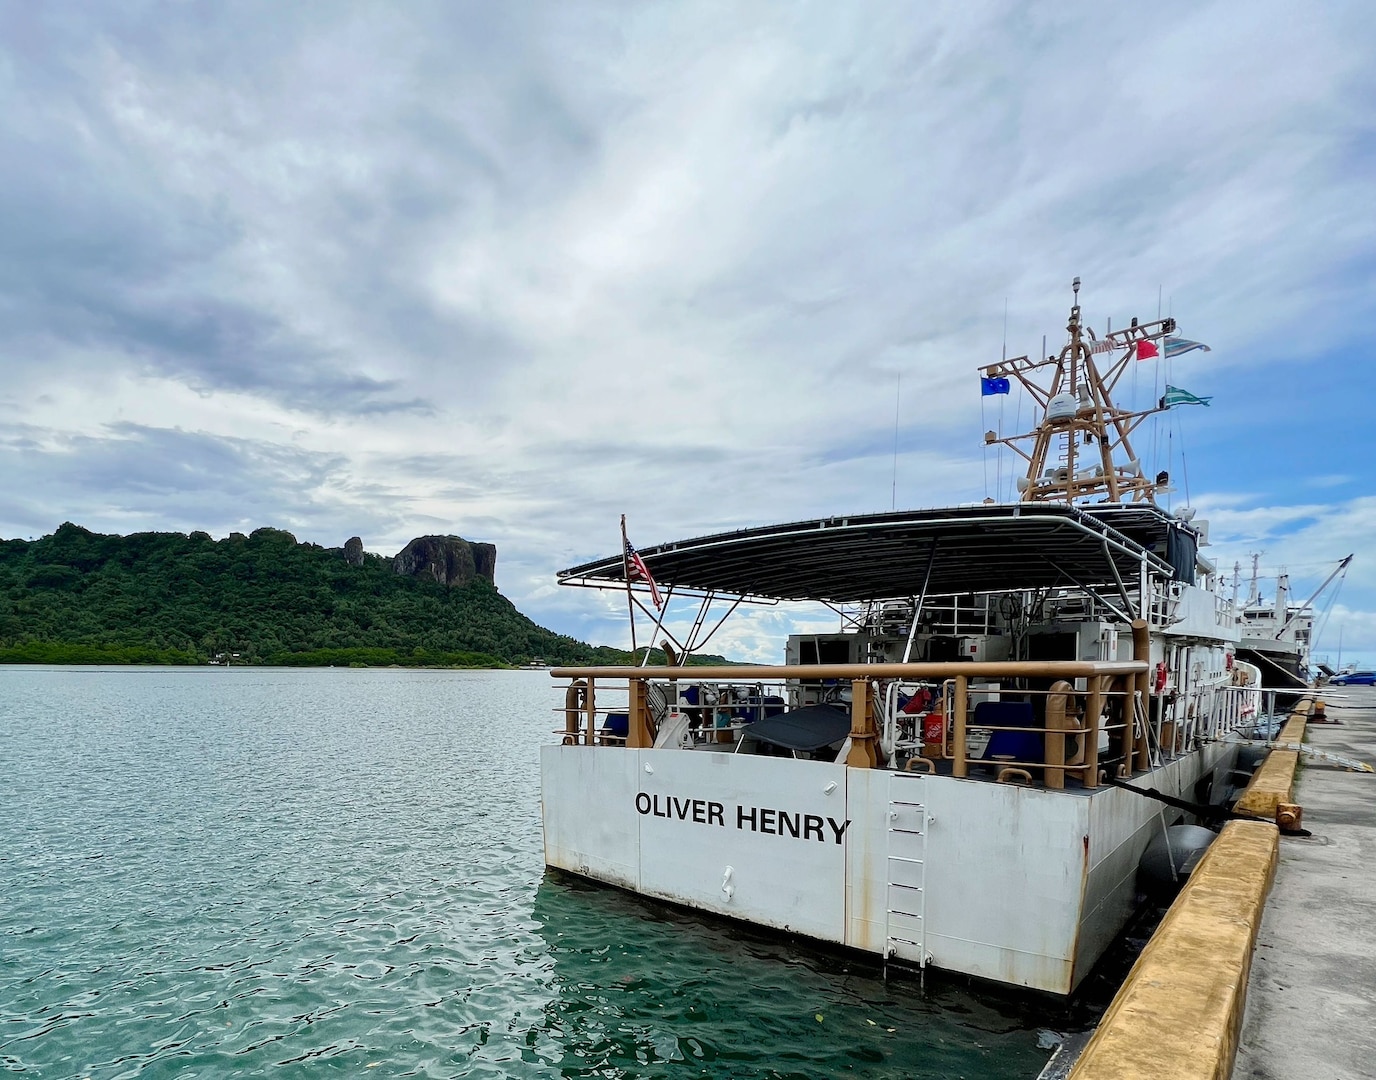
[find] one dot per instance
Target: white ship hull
(1015, 884)
(1027, 653)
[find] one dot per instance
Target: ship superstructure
(1278, 634)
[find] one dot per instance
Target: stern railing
(1086, 703)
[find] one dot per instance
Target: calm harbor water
(250, 872)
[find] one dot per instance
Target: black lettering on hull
(771, 822)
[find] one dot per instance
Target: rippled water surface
(208, 872)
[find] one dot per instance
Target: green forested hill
(81, 597)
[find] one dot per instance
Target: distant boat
(1277, 636)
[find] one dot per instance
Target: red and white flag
(636, 570)
(1142, 350)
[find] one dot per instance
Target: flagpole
(659, 625)
(626, 571)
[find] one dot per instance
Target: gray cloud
(237, 199)
(137, 477)
(513, 271)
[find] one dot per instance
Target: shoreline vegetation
(48, 652)
(77, 597)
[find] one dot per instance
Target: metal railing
(1082, 732)
(1088, 709)
(1163, 604)
(1206, 714)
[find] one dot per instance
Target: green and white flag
(1176, 396)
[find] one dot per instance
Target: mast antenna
(1078, 416)
(897, 405)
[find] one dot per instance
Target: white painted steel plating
(1018, 885)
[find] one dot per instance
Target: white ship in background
(941, 780)
(1277, 635)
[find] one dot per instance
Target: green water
(244, 872)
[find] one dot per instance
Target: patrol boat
(956, 776)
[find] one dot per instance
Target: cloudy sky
(509, 271)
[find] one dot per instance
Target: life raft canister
(1160, 682)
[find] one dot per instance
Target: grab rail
(1105, 680)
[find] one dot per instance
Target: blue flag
(988, 387)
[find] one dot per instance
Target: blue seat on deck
(1018, 745)
(618, 724)
(757, 708)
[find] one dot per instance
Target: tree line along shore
(79, 597)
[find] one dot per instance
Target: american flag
(636, 570)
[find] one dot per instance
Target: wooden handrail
(1097, 673)
(1074, 669)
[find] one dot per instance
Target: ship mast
(1081, 449)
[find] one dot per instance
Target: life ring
(1159, 683)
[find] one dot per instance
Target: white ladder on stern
(905, 907)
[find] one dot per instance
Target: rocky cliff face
(450, 560)
(353, 551)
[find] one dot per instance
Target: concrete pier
(1179, 1011)
(1311, 998)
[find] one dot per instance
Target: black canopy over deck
(879, 556)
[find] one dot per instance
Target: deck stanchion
(862, 732)
(573, 705)
(958, 767)
(1141, 652)
(1119, 691)
(592, 714)
(638, 723)
(1058, 722)
(1094, 708)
